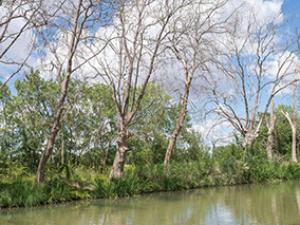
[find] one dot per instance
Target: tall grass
(21, 190)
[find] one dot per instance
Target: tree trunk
(40, 176)
(76, 33)
(120, 157)
(270, 143)
(270, 140)
(62, 149)
(294, 143)
(179, 122)
(173, 139)
(293, 123)
(249, 138)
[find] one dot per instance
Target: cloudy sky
(218, 131)
(213, 129)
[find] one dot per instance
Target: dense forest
(96, 97)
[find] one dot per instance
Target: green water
(251, 204)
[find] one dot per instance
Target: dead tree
(190, 43)
(292, 119)
(138, 33)
(256, 68)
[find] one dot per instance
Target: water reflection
(245, 205)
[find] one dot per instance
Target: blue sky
(291, 10)
(291, 14)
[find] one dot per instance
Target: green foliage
(87, 184)
(231, 161)
(87, 136)
(282, 135)
(21, 193)
(86, 144)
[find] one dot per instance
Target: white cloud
(16, 39)
(286, 67)
(262, 10)
(170, 74)
(215, 131)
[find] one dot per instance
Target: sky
(291, 13)
(291, 10)
(222, 134)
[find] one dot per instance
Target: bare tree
(139, 32)
(190, 43)
(72, 25)
(18, 20)
(257, 67)
(292, 119)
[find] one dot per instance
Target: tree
(257, 66)
(190, 43)
(91, 136)
(138, 32)
(73, 27)
(271, 128)
(27, 113)
(19, 22)
(292, 119)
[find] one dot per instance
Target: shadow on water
(250, 204)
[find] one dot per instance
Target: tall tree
(72, 27)
(190, 43)
(293, 120)
(139, 31)
(257, 66)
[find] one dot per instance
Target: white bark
(292, 119)
(245, 64)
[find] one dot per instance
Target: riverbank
(265, 204)
(20, 190)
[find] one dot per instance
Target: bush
(22, 193)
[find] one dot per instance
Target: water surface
(249, 205)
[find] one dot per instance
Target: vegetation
(18, 188)
(95, 97)
(82, 158)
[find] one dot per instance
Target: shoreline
(141, 194)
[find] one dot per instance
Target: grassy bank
(18, 188)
